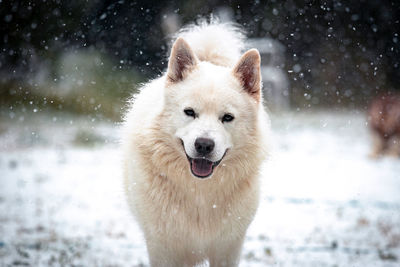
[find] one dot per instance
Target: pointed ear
(181, 61)
(247, 71)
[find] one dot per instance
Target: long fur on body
(187, 220)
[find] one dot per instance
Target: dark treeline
(346, 50)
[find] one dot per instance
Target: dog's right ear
(181, 61)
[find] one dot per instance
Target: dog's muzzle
(201, 166)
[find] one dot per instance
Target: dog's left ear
(181, 61)
(247, 71)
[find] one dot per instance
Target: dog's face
(210, 108)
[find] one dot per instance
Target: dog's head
(211, 110)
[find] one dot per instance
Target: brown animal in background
(384, 120)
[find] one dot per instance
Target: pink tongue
(202, 167)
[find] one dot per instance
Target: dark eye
(189, 112)
(227, 118)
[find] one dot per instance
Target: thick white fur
(222, 46)
(187, 220)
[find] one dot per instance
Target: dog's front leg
(162, 256)
(226, 253)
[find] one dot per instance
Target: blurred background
(77, 55)
(67, 69)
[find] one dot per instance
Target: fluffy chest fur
(172, 199)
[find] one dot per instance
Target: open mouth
(202, 167)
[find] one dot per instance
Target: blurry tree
(338, 52)
(33, 31)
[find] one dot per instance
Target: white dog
(193, 144)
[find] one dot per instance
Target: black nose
(204, 146)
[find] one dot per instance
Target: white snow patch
(324, 202)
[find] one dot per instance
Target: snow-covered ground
(324, 202)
